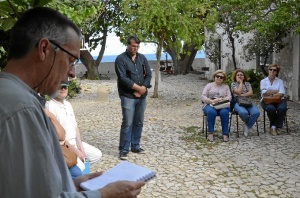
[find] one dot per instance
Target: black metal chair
(204, 124)
(237, 123)
(285, 122)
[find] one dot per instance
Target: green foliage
(74, 88)
(253, 77)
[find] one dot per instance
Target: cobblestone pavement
(185, 163)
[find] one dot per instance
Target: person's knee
(256, 114)
(95, 156)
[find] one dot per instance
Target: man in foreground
(44, 46)
(134, 77)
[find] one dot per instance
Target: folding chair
(285, 122)
(233, 112)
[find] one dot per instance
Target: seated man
(64, 113)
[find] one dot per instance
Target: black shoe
(123, 156)
(139, 151)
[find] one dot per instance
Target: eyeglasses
(135, 46)
(63, 87)
(64, 50)
(273, 70)
(221, 77)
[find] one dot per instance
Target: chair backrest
(232, 102)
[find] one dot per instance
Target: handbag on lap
(244, 101)
(274, 99)
(221, 105)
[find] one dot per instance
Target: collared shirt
(64, 113)
(130, 72)
(265, 85)
(31, 163)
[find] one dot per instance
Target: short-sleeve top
(245, 89)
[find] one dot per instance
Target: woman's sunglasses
(221, 77)
(63, 87)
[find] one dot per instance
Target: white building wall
(226, 53)
(288, 59)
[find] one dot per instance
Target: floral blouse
(245, 89)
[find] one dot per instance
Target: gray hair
(35, 24)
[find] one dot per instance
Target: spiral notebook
(123, 171)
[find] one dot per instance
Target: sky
(115, 47)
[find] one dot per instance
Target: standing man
(44, 46)
(64, 113)
(134, 76)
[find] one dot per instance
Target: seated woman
(272, 85)
(216, 92)
(240, 87)
(75, 170)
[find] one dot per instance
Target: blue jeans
(75, 171)
(132, 124)
(275, 112)
(211, 114)
(249, 115)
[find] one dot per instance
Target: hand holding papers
(123, 171)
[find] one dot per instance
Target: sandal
(225, 138)
(210, 137)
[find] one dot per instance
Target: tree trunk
(182, 65)
(88, 61)
(188, 59)
(157, 69)
(173, 55)
(101, 52)
(233, 50)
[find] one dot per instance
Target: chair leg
(264, 121)
(286, 125)
(203, 124)
(237, 125)
(257, 129)
(229, 123)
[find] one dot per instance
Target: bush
(253, 77)
(74, 88)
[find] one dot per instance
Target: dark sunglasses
(273, 70)
(63, 87)
(221, 77)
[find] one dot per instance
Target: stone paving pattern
(185, 163)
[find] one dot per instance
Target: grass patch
(194, 134)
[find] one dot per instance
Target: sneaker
(246, 130)
(210, 137)
(225, 138)
(278, 131)
(123, 156)
(139, 151)
(273, 131)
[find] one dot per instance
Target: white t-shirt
(64, 113)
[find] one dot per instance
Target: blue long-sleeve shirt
(130, 72)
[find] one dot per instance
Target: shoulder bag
(69, 155)
(244, 101)
(273, 99)
(221, 105)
